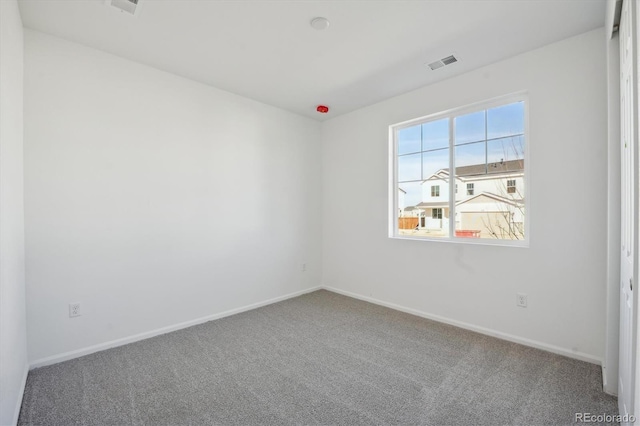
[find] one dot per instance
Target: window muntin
(485, 146)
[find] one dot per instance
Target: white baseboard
(16, 411)
(482, 330)
(141, 336)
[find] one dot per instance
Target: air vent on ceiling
(442, 62)
(132, 7)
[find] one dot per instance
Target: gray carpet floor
(321, 358)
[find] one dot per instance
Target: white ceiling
(266, 49)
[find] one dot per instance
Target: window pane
(505, 120)
(409, 140)
(490, 210)
(505, 149)
(470, 128)
(489, 199)
(434, 161)
(434, 198)
(415, 219)
(468, 155)
(409, 195)
(435, 135)
(409, 167)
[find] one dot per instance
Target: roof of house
(512, 201)
(510, 166)
(490, 168)
(434, 204)
(442, 174)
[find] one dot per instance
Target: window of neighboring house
(485, 143)
(469, 189)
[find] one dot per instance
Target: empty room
(292, 212)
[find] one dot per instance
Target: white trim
(482, 330)
(612, 17)
(147, 334)
(450, 114)
(605, 382)
(612, 345)
(16, 411)
(393, 178)
(471, 241)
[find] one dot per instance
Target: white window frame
(451, 113)
(435, 191)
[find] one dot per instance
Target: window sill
(470, 241)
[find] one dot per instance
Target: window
(469, 189)
(484, 148)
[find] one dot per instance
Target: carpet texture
(318, 359)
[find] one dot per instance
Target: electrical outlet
(521, 300)
(74, 310)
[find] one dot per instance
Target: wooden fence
(407, 222)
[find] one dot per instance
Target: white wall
(153, 200)
(564, 269)
(13, 332)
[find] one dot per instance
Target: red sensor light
(322, 109)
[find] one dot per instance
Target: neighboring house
(491, 215)
(401, 202)
(489, 198)
(413, 211)
(435, 201)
